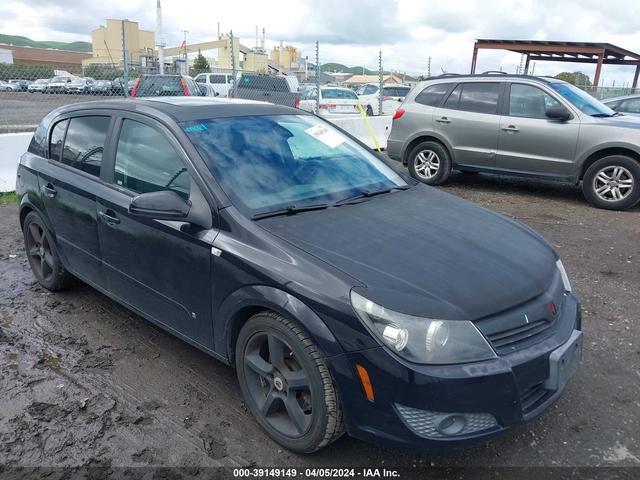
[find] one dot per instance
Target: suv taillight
(134, 91)
(183, 84)
(297, 102)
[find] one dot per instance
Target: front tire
(43, 256)
(429, 163)
(286, 384)
(612, 183)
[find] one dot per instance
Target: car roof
(493, 76)
(183, 109)
(621, 97)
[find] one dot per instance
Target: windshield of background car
(582, 100)
(159, 87)
(264, 163)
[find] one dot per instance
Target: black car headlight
(423, 340)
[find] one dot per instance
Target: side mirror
(162, 205)
(558, 113)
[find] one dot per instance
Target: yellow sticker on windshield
(330, 138)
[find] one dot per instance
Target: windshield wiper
(290, 210)
(367, 194)
(602, 115)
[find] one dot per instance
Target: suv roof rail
(447, 75)
(494, 72)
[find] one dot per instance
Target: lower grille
(510, 340)
(430, 424)
(534, 397)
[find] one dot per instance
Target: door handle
(109, 217)
(511, 128)
(49, 190)
(443, 120)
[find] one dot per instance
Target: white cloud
(352, 32)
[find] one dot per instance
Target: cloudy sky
(352, 31)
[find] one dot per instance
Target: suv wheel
(286, 384)
(43, 256)
(429, 163)
(613, 183)
(369, 111)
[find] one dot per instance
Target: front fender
(279, 301)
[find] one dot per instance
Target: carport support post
(474, 59)
(635, 79)
(596, 77)
(526, 66)
(380, 82)
(125, 63)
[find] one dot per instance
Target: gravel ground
(85, 382)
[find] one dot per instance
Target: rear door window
(84, 143)
(454, 98)
(147, 162)
(480, 97)
(57, 138)
(433, 94)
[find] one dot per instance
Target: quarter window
(433, 94)
(454, 98)
(84, 143)
(480, 97)
(57, 137)
(529, 101)
(147, 162)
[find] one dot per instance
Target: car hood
(624, 121)
(425, 252)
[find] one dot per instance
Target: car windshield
(582, 100)
(265, 163)
(58, 79)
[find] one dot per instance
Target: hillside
(338, 67)
(21, 41)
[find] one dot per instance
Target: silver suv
(518, 125)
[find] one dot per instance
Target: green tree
(200, 64)
(575, 78)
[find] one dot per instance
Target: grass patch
(8, 197)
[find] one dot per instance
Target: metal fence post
(381, 82)
(234, 68)
(317, 76)
(125, 63)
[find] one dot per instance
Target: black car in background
(347, 296)
(276, 89)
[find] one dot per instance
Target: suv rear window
(167, 86)
(432, 95)
(263, 82)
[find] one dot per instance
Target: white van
(220, 82)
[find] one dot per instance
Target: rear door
(161, 268)
(68, 183)
(469, 121)
(529, 142)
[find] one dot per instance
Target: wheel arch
(593, 157)
(247, 301)
(425, 137)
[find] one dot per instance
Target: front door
(68, 182)
(469, 121)
(161, 268)
(529, 141)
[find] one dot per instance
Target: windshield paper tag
(328, 137)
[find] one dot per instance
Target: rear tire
(369, 111)
(43, 256)
(286, 384)
(612, 183)
(429, 163)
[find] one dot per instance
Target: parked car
(519, 125)
(219, 82)
(165, 85)
(333, 101)
(269, 239)
(38, 85)
(20, 85)
(58, 84)
(79, 85)
(628, 104)
(117, 85)
(6, 87)
(277, 89)
(101, 87)
(392, 97)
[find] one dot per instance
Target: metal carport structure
(574, 52)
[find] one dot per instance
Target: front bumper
(409, 398)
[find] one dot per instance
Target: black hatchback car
(347, 296)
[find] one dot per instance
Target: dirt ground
(85, 382)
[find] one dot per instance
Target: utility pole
(125, 63)
(429, 67)
(159, 42)
(317, 76)
(381, 82)
(185, 45)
